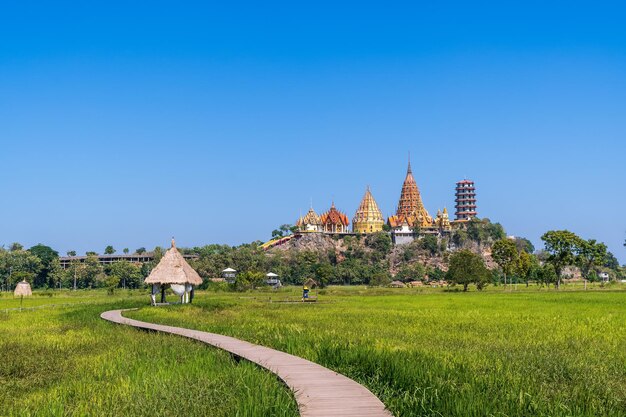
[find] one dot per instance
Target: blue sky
(126, 124)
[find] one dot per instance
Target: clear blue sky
(125, 123)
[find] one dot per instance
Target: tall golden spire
(368, 217)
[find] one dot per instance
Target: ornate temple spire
(410, 203)
(410, 208)
(408, 171)
(368, 217)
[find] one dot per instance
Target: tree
(18, 261)
(589, 254)
(110, 282)
(158, 253)
(380, 278)
(140, 251)
(283, 230)
(21, 276)
(504, 252)
(56, 274)
(126, 250)
(109, 250)
(249, 280)
(611, 262)
(90, 272)
(46, 255)
(561, 246)
(129, 274)
(547, 275)
(429, 243)
(459, 237)
(324, 272)
(466, 268)
(524, 245)
(526, 266)
(414, 272)
(16, 247)
(380, 243)
(71, 253)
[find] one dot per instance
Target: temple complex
(368, 217)
(334, 221)
(410, 220)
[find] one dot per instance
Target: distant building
(465, 200)
(368, 217)
(66, 261)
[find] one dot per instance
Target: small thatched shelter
(22, 289)
(173, 270)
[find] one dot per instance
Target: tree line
(367, 259)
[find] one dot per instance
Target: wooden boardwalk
(319, 391)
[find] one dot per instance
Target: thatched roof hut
(310, 283)
(22, 289)
(173, 269)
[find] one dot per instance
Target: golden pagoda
(334, 221)
(368, 217)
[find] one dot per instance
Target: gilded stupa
(368, 217)
(411, 211)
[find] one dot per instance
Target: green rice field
(423, 352)
(61, 359)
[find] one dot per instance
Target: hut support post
(191, 295)
(162, 293)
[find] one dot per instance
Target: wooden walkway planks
(319, 391)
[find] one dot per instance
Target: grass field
(66, 361)
(424, 352)
(435, 353)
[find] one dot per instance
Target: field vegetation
(61, 359)
(430, 352)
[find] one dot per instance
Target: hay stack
(22, 289)
(173, 269)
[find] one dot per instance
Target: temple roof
(173, 269)
(310, 218)
(368, 210)
(334, 216)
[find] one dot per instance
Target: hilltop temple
(410, 220)
(412, 217)
(368, 217)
